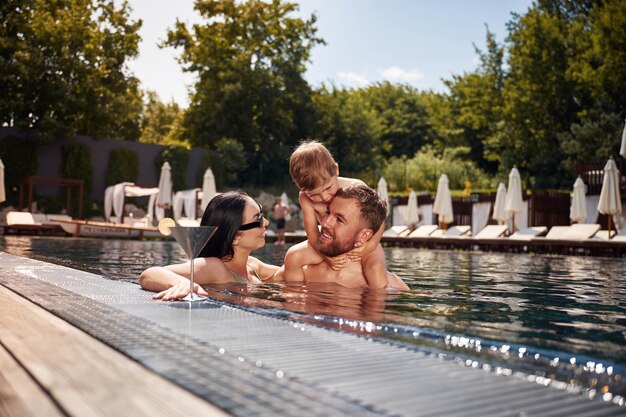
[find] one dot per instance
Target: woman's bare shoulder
(211, 270)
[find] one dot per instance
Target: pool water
(557, 320)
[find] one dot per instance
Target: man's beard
(336, 248)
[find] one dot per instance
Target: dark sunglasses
(253, 225)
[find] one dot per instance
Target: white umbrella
(412, 211)
(578, 208)
(610, 201)
(164, 198)
(443, 202)
(3, 195)
(208, 188)
(382, 192)
(499, 213)
(514, 203)
(622, 150)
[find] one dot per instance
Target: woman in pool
(226, 257)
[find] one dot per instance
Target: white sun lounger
(580, 231)
(454, 231)
(424, 230)
(528, 233)
(21, 218)
(395, 231)
(557, 232)
(492, 231)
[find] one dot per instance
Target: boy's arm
(370, 246)
(374, 268)
(310, 219)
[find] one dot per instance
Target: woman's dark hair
(226, 212)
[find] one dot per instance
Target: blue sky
(410, 41)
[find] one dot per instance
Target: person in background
(280, 212)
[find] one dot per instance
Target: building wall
(49, 162)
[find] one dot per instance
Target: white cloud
(400, 75)
(352, 79)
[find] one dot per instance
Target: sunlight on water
(555, 320)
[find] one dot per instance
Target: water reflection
(549, 316)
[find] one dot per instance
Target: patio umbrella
(514, 203)
(382, 192)
(3, 196)
(622, 150)
(499, 213)
(208, 188)
(164, 198)
(412, 215)
(578, 209)
(443, 202)
(285, 199)
(610, 201)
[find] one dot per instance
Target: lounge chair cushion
(528, 233)
(492, 231)
(424, 230)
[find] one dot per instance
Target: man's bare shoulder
(346, 182)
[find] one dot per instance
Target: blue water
(558, 320)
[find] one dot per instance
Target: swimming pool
(557, 318)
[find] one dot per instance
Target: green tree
(63, 68)
(402, 117)
(123, 166)
(160, 121)
(538, 95)
(349, 128)
(226, 160)
(476, 103)
(249, 58)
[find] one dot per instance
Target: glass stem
(192, 277)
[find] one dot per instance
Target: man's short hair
(311, 165)
(373, 208)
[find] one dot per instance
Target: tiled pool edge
(273, 371)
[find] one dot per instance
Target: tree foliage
(63, 68)
(249, 58)
(123, 165)
(160, 122)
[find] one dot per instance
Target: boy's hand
(337, 262)
(356, 254)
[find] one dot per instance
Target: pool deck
(74, 344)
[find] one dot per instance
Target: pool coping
(281, 366)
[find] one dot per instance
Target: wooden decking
(50, 368)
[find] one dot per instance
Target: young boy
(315, 172)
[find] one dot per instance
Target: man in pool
(353, 216)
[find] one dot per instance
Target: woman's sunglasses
(253, 225)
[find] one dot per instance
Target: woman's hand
(179, 290)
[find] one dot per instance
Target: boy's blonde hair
(311, 165)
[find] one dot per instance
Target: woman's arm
(172, 281)
(267, 272)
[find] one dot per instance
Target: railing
(548, 208)
(592, 173)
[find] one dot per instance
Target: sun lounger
(528, 233)
(492, 231)
(580, 231)
(556, 232)
(424, 230)
(603, 235)
(187, 222)
(21, 218)
(454, 231)
(395, 230)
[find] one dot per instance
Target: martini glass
(193, 240)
